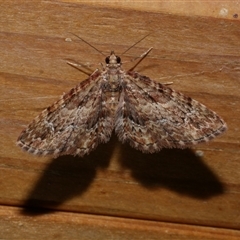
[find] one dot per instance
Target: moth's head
(113, 59)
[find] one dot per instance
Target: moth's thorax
(113, 75)
(113, 86)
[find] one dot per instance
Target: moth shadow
(64, 178)
(175, 169)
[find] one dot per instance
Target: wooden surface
(117, 192)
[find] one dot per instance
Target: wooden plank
(200, 55)
(216, 9)
(62, 225)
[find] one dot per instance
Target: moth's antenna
(88, 44)
(136, 43)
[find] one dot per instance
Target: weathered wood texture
(104, 195)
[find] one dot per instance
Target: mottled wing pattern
(152, 116)
(74, 125)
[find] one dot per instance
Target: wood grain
(62, 225)
(178, 194)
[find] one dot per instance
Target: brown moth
(146, 114)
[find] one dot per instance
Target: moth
(146, 114)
